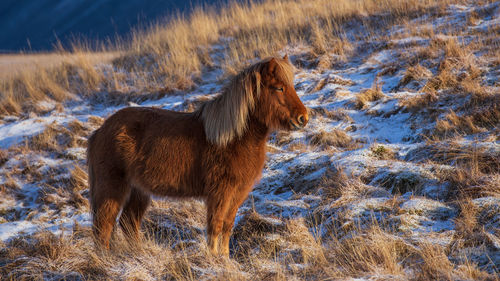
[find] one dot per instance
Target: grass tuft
(368, 95)
(336, 138)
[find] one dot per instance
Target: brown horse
(216, 153)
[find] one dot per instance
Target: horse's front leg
(227, 227)
(217, 206)
(236, 202)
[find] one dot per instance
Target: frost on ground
(396, 176)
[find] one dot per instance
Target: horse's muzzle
(299, 122)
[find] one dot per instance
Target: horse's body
(216, 153)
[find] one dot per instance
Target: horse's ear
(271, 65)
(285, 57)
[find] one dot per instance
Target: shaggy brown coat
(216, 153)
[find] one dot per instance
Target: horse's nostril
(301, 119)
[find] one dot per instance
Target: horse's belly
(168, 186)
(178, 192)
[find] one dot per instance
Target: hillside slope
(396, 176)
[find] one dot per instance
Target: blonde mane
(226, 116)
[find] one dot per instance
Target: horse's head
(263, 91)
(278, 105)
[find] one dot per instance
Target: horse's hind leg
(130, 219)
(107, 200)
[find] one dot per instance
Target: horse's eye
(279, 89)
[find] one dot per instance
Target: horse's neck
(249, 150)
(254, 137)
(256, 132)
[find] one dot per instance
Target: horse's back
(146, 146)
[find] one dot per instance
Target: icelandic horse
(216, 152)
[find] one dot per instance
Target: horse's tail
(90, 167)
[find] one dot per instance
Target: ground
(396, 176)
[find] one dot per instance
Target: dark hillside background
(36, 25)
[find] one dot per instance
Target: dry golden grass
(57, 139)
(382, 152)
(459, 82)
(375, 252)
(335, 138)
(161, 257)
(172, 56)
(9, 184)
(368, 95)
(475, 172)
(477, 119)
(13, 64)
(419, 103)
(458, 68)
(335, 184)
(61, 183)
(469, 184)
(457, 56)
(3, 157)
(473, 156)
(338, 114)
(264, 248)
(456, 124)
(79, 178)
(466, 223)
(282, 138)
(469, 233)
(68, 75)
(436, 265)
(371, 251)
(415, 73)
(95, 121)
